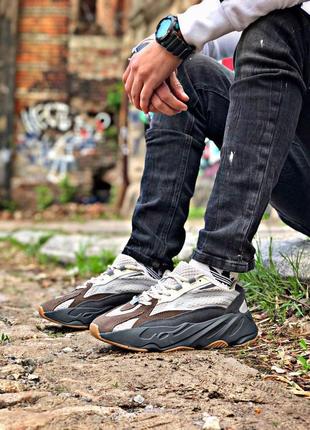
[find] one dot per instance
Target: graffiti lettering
(44, 115)
(53, 137)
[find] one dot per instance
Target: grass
(279, 297)
(304, 358)
(31, 249)
(93, 264)
(196, 213)
(199, 213)
(4, 338)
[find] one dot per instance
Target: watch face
(163, 28)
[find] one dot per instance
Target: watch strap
(175, 44)
(178, 47)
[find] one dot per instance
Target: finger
(128, 85)
(170, 110)
(126, 74)
(162, 107)
(153, 109)
(169, 98)
(145, 96)
(135, 92)
(177, 88)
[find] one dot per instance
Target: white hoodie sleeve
(211, 19)
(223, 47)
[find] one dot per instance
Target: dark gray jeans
(261, 121)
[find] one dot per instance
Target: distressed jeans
(260, 119)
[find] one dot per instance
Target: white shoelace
(164, 287)
(108, 273)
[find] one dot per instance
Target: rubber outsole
(42, 315)
(81, 315)
(218, 344)
(94, 331)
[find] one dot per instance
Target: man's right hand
(169, 98)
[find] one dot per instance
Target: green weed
(196, 213)
(31, 249)
(4, 338)
(45, 197)
(305, 364)
(279, 297)
(93, 264)
(67, 191)
(8, 205)
(304, 360)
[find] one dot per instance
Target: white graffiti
(44, 115)
(57, 116)
(53, 137)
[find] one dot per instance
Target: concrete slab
(283, 251)
(65, 247)
(28, 237)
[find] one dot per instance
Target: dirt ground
(52, 378)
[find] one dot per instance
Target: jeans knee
(200, 71)
(270, 34)
(271, 45)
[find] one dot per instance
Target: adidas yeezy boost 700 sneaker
(187, 309)
(124, 279)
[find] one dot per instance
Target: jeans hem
(147, 261)
(223, 263)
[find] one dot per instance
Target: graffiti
(53, 137)
(44, 115)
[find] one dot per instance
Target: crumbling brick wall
(42, 54)
(67, 60)
(8, 22)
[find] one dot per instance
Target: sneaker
(187, 309)
(116, 286)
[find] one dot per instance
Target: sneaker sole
(82, 315)
(43, 315)
(94, 331)
(246, 337)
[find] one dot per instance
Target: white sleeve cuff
(204, 22)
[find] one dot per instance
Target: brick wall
(93, 64)
(51, 61)
(64, 72)
(42, 53)
(8, 22)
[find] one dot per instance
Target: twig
(295, 300)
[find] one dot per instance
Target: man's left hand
(146, 71)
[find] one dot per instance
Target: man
(261, 121)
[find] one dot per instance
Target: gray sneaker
(187, 309)
(124, 279)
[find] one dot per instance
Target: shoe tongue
(189, 272)
(186, 271)
(126, 260)
(123, 260)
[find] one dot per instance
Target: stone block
(286, 251)
(29, 237)
(65, 248)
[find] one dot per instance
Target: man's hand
(168, 96)
(148, 79)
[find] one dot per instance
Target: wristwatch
(169, 36)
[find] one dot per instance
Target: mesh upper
(188, 272)
(123, 259)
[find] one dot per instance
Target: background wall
(68, 60)
(8, 37)
(60, 91)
